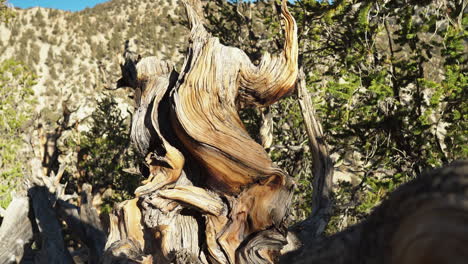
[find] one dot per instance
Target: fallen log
(53, 246)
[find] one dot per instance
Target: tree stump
(213, 194)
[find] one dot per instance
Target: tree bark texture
(213, 192)
(213, 195)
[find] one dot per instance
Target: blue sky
(72, 5)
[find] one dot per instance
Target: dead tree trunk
(213, 194)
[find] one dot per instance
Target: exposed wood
(223, 77)
(263, 247)
(95, 238)
(129, 227)
(207, 175)
(196, 197)
(53, 246)
(423, 221)
(43, 194)
(213, 195)
(84, 224)
(126, 251)
(266, 128)
(49, 203)
(322, 168)
(16, 230)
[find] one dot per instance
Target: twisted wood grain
(215, 80)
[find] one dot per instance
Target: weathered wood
(49, 201)
(16, 230)
(94, 236)
(223, 78)
(130, 225)
(84, 224)
(153, 80)
(266, 128)
(53, 247)
(423, 221)
(125, 243)
(184, 120)
(322, 169)
(212, 194)
(197, 197)
(126, 251)
(43, 194)
(263, 247)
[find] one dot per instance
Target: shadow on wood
(207, 175)
(423, 221)
(213, 195)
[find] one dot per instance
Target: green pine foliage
(16, 109)
(393, 89)
(104, 152)
(5, 13)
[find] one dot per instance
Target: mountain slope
(77, 54)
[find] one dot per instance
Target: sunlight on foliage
(16, 109)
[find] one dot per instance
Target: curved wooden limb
(259, 207)
(262, 247)
(214, 79)
(152, 79)
(152, 82)
(275, 77)
(194, 19)
(163, 170)
(126, 223)
(196, 197)
(322, 168)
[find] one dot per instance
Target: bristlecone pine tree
(209, 180)
(214, 196)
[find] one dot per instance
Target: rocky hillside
(80, 121)
(76, 54)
